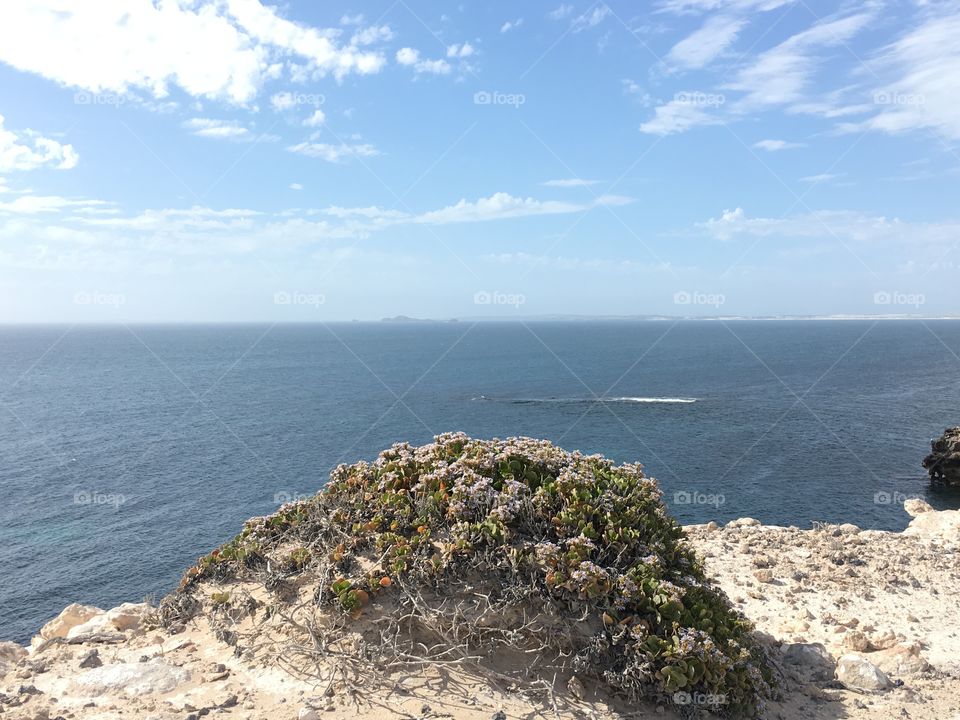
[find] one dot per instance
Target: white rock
(96, 624)
(933, 524)
(10, 654)
(903, 659)
(132, 679)
(915, 506)
(743, 522)
(127, 616)
(70, 617)
(858, 673)
(308, 713)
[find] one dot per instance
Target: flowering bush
(564, 535)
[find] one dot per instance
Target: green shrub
(572, 536)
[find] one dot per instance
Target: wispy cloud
(776, 145)
(219, 129)
(334, 153)
(701, 47)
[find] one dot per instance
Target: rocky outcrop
(943, 462)
(861, 624)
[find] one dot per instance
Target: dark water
(128, 452)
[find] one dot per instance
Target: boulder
(743, 522)
(132, 679)
(121, 618)
(933, 524)
(810, 660)
(71, 616)
(858, 673)
(10, 655)
(901, 660)
(915, 506)
(943, 462)
(127, 616)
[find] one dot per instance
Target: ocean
(127, 452)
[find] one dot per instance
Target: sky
(230, 160)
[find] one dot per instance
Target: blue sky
(232, 160)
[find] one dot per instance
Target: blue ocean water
(127, 452)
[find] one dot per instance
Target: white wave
(650, 399)
(663, 400)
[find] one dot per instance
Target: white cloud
(333, 153)
(218, 129)
(296, 186)
(781, 75)
(511, 25)
(775, 145)
(460, 51)
(411, 58)
(591, 18)
(850, 226)
(34, 204)
(372, 35)
(318, 118)
(923, 92)
(570, 182)
(821, 178)
(408, 56)
(352, 19)
(678, 116)
(699, 48)
(697, 7)
(502, 205)
(30, 150)
(222, 49)
(560, 12)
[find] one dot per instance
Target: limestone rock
(857, 641)
(810, 659)
(932, 524)
(743, 522)
(71, 616)
(915, 506)
(133, 679)
(858, 673)
(10, 655)
(901, 660)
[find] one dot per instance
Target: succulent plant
(584, 536)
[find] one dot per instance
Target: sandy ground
(892, 599)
